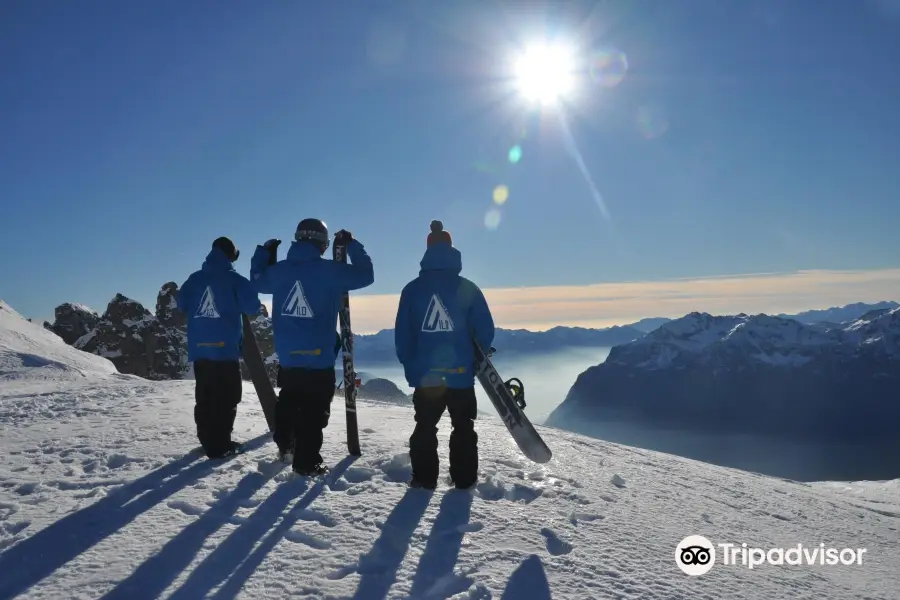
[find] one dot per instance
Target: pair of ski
(508, 397)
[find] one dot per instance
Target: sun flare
(545, 73)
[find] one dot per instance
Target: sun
(545, 73)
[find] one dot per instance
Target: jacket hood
(303, 252)
(217, 261)
(441, 257)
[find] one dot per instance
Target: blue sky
(133, 134)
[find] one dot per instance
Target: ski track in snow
(105, 494)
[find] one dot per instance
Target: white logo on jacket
(437, 319)
(296, 304)
(207, 307)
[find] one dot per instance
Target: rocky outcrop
(383, 390)
(136, 341)
(167, 307)
(72, 321)
(145, 344)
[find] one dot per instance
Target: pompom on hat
(438, 235)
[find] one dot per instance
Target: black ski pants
(429, 404)
(302, 413)
(217, 392)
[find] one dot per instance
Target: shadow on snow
(378, 568)
(35, 558)
(442, 549)
(237, 557)
(159, 571)
(528, 581)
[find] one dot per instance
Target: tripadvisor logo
(696, 555)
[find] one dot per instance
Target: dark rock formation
(71, 321)
(167, 308)
(136, 342)
(383, 390)
(144, 344)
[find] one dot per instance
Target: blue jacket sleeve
(247, 296)
(404, 334)
(259, 268)
(482, 320)
(359, 273)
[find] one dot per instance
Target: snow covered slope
(104, 494)
(28, 351)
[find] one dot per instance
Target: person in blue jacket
(213, 299)
(306, 298)
(439, 315)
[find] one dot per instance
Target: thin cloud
(607, 304)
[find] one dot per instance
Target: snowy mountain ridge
(829, 391)
(701, 337)
(839, 314)
(104, 494)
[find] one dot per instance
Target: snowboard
(350, 382)
(254, 361)
(508, 399)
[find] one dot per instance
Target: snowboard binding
(517, 391)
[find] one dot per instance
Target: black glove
(272, 247)
(343, 237)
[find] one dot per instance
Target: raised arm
(264, 257)
(359, 273)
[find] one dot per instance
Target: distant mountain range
(835, 314)
(751, 374)
(152, 345)
(838, 314)
(379, 347)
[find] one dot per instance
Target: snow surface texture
(103, 494)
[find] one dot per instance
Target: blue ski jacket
(439, 315)
(213, 299)
(306, 298)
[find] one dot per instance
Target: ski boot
(233, 449)
(415, 483)
(318, 470)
